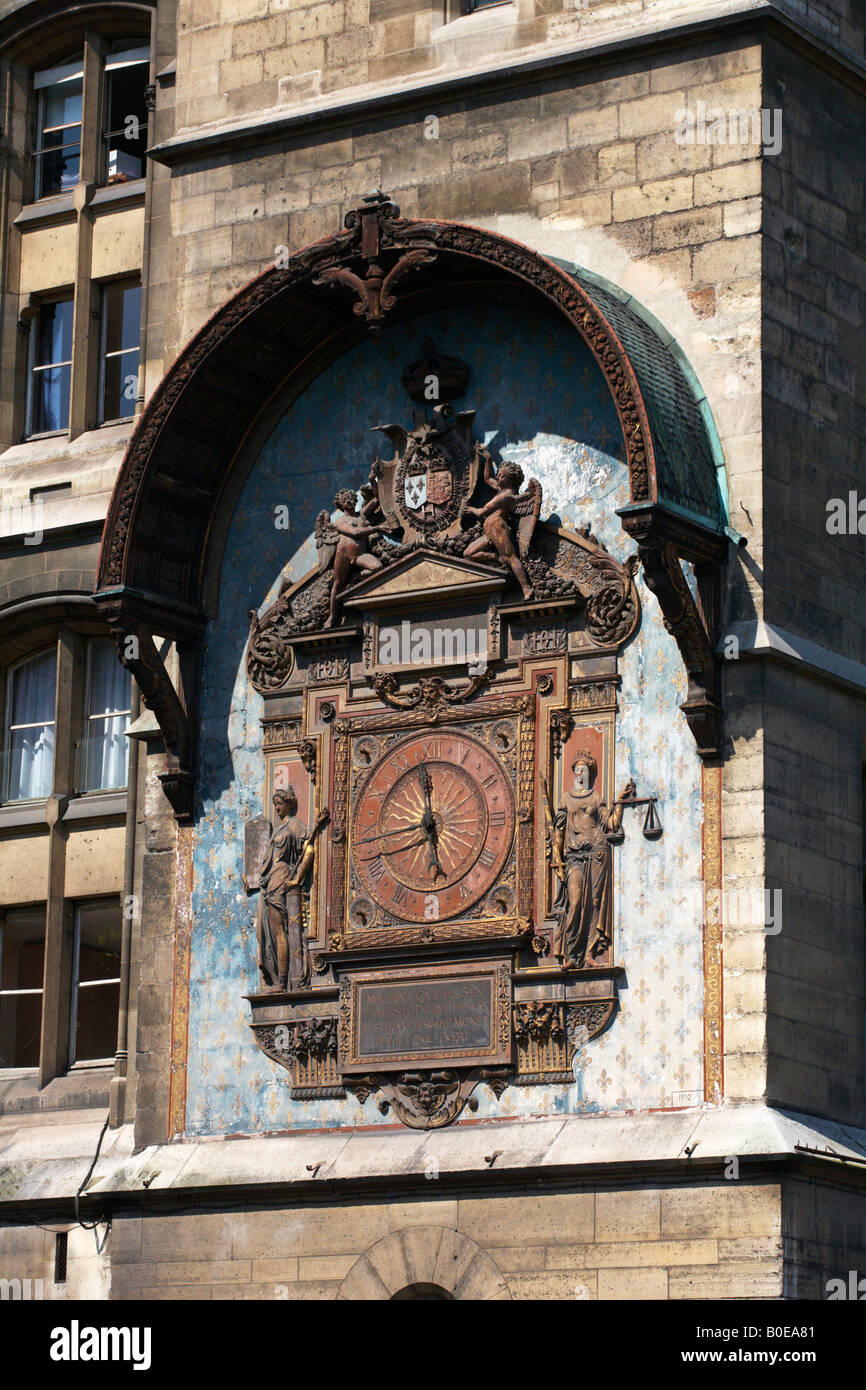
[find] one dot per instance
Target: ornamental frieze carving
(308, 1050)
(441, 495)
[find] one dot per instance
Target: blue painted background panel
(541, 400)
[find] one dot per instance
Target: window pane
(22, 954)
(126, 130)
(61, 105)
(121, 386)
(57, 170)
(33, 690)
(30, 763)
(54, 333)
(122, 311)
(29, 755)
(51, 400)
(122, 317)
(105, 747)
(58, 132)
(108, 681)
(96, 1004)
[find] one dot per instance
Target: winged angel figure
(343, 544)
(507, 508)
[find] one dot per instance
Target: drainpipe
(117, 1103)
(145, 242)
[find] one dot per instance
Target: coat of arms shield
(439, 487)
(415, 490)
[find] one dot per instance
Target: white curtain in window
(106, 741)
(107, 753)
(30, 751)
(31, 763)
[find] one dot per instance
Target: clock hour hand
(428, 823)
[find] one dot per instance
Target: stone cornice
(766, 640)
(387, 97)
(678, 1146)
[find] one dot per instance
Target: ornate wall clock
(444, 882)
(433, 825)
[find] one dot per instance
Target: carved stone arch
(437, 1257)
(184, 467)
(41, 32)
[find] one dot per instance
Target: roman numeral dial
(433, 826)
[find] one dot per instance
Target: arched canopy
(278, 332)
(183, 470)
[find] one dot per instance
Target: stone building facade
(668, 263)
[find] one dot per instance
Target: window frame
(108, 66)
(62, 297)
(26, 910)
(74, 68)
(79, 772)
(5, 799)
(481, 6)
(70, 643)
(125, 283)
(95, 61)
(74, 1063)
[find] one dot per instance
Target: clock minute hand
(369, 858)
(385, 834)
(428, 823)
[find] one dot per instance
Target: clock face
(433, 826)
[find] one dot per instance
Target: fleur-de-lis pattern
(541, 401)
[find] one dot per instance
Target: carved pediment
(424, 577)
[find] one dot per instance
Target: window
(60, 135)
(29, 753)
(121, 320)
(127, 68)
(95, 983)
(22, 960)
(104, 748)
(57, 157)
(50, 368)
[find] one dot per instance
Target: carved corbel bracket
(429, 1099)
(432, 694)
(374, 288)
(138, 653)
(692, 622)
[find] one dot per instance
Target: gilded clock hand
(428, 820)
(384, 834)
(369, 858)
(428, 823)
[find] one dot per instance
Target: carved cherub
(343, 544)
(498, 514)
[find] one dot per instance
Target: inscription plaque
(438, 1015)
(457, 1013)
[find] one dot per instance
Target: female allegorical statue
(284, 958)
(583, 825)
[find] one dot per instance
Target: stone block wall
(713, 1241)
(587, 168)
(814, 416)
(238, 57)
